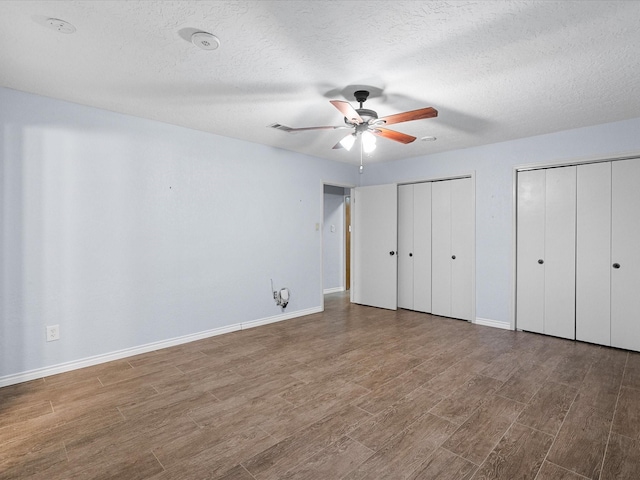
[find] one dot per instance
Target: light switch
(333, 228)
(317, 227)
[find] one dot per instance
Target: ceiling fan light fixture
(368, 142)
(348, 141)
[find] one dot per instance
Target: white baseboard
(149, 347)
(493, 323)
(333, 290)
(280, 318)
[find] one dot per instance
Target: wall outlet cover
(53, 333)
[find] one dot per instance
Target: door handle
(453, 257)
(616, 265)
(392, 253)
(411, 254)
(541, 261)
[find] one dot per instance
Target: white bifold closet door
(625, 254)
(546, 251)
(375, 236)
(593, 253)
(452, 244)
(414, 247)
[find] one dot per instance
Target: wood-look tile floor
(352, 393)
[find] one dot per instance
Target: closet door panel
(405, 246)
(530, 250)
(560, 252)
(375, 242)
(625, 252)
(422, 247)
(441, 248)
(462, 246)
(593, 253)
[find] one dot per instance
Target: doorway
(336, 238)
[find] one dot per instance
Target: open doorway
(336, 239)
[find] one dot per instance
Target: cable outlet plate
(53, 333)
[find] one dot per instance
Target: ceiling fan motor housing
(366, 114)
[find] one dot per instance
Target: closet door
(405, 246)
(560, 252)
(414, 247)
(375, 240)
(462, 247)
(546, 251)
(452, 237)
(530, 251)
(625, 254)
(422, 247)
(441, 249)
(593, 253)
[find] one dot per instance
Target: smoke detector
(60, 25)
(205, 41)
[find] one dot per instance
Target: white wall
(494, 166)
(126, 231)
(333, 241)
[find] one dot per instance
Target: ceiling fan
(366, 124)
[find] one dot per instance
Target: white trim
(333, 290)
(577, 161)
(280, 318)
(149, 347)
(514, 249)
(493, 323)
(438, 179)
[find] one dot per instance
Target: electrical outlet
(53, 333)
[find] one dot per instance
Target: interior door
(530, 251)
(593, 253)
(625, 254)
(560, 252)
(462, 248)
(422, 247)
(375, 235)
(441, 249)
(405, 246)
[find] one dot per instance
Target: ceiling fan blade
(393, 135)
(347, 110)
(284, 128)
(419, 114)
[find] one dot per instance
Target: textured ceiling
(495, 70)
